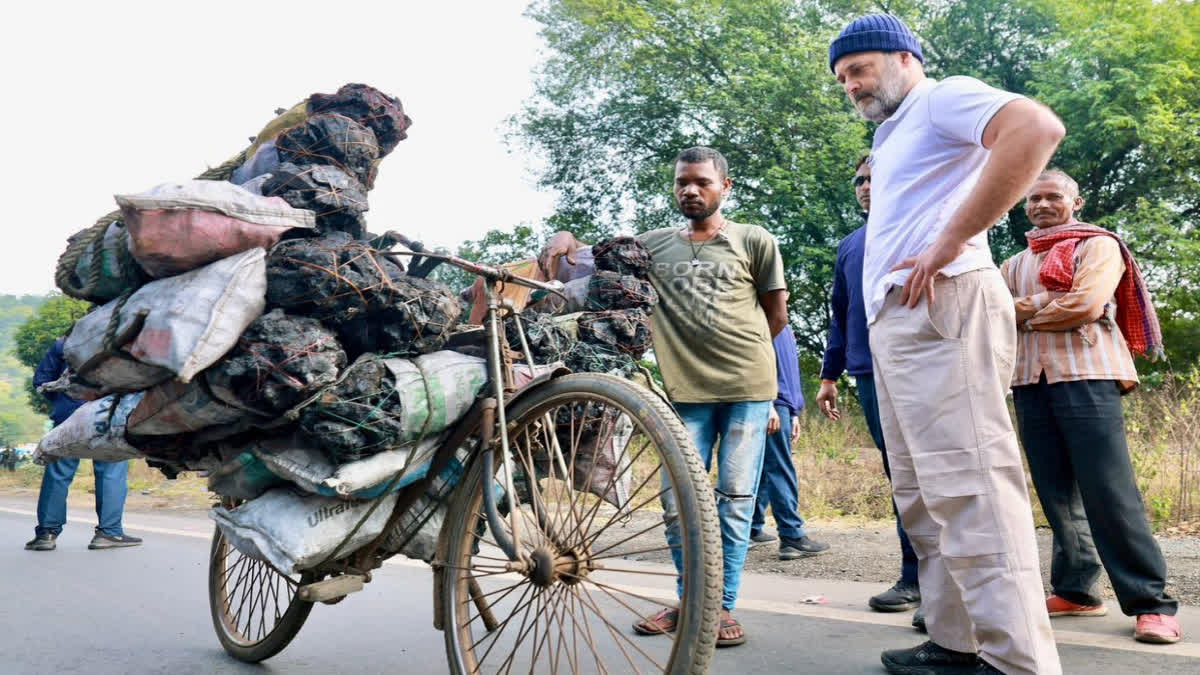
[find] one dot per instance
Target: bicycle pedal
(333, 588)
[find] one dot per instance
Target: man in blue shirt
(56, 479)
(777, 484)
(847, 350)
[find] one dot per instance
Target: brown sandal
(730, 642)
(659, 624)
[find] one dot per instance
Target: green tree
(627, 85)
(34, 337)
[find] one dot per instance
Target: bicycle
(531, 578)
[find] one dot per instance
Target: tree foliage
(626, 84)
(33, 338)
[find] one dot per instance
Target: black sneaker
(42, 542)
(102, 540)
(899, 598)
(918, 621)
(762, 538)
(804, 547)
(929, 659)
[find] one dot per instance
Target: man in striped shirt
(1073, 364)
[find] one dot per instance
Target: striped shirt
(1072, 335)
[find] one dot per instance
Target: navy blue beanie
(874, 33)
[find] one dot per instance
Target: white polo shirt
(925, 160)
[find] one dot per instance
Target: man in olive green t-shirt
(722, 298)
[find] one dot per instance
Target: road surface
(145, 610)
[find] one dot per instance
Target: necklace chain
(692, 244)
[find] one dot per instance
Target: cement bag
(379, 403)
(95, 431)
(177, 227)
(178, 408)
(191, 321)
(356, 478)
(415, 535)
(303, 466)
(243, 477)
(293, 531)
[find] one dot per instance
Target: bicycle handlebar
(478, 269)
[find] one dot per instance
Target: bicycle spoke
(617, 633)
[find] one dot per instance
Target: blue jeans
(777, 486)
(870, 406)
(742, 429)
(110, 495)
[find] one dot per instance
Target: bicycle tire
(238, 641)
(695, 635)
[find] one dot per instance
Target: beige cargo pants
(942, 372)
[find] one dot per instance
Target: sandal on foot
(730, 642)
(659, 624)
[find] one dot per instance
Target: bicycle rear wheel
(603, 465)
(254, 607)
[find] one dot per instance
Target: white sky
(115, 97)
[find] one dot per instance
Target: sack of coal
(576, 292)
(623, 255)
(173, 408)
(333, 278)
(294, 531)
(332, 139)
(380, 402)
(337, 199)
(177, 227)
(367, 477)
(626, 331)
(96, 430)
(588, 357)
(104, 268)
(548, 340)
(279, 361)
(612, 290)
(417, 318)
(368, 106)
(173, 327)
(243, 476)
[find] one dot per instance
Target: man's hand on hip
(925, 268)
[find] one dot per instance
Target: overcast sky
(116, 97)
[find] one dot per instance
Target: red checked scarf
(1135, 309)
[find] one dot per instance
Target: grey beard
(888, 96)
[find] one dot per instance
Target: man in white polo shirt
(948, 160)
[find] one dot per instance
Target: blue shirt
(847, 348)
(52, 366)
(787, 371)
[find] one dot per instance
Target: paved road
(145, 610)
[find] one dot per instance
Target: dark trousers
(870, 405)
(1074, 438)
(778, 487)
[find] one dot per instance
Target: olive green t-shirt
(711, 336)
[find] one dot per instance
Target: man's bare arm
(774, 304)
(560, 244)
(1022, 136)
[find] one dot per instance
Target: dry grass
(187, 491)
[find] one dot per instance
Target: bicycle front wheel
(601, 467)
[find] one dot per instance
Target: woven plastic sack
(118, 271)
(295, 531)
(177, 408)
(381, 403)
(96, 430)
(177, 227)
(245, 476)
(191, 321)
(263, 161)
(576, 291)
(356, 479)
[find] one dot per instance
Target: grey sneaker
(899, 598)
(762, 538)
(804, 547)
(918, 621)
(102, 540)
(42, 542)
